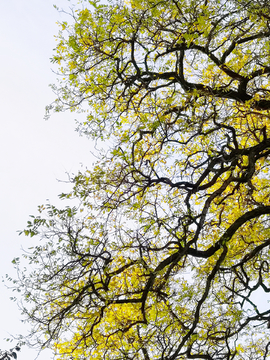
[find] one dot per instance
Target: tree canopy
(166, 253)
(9, 354)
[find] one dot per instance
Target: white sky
(34, 152)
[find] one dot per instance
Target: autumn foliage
(166, 253)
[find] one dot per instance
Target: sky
(36, 155)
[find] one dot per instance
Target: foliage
(167, 254)
(9, 354)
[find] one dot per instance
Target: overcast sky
(35, 153)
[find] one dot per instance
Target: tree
(166, 253)
(9, 354)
